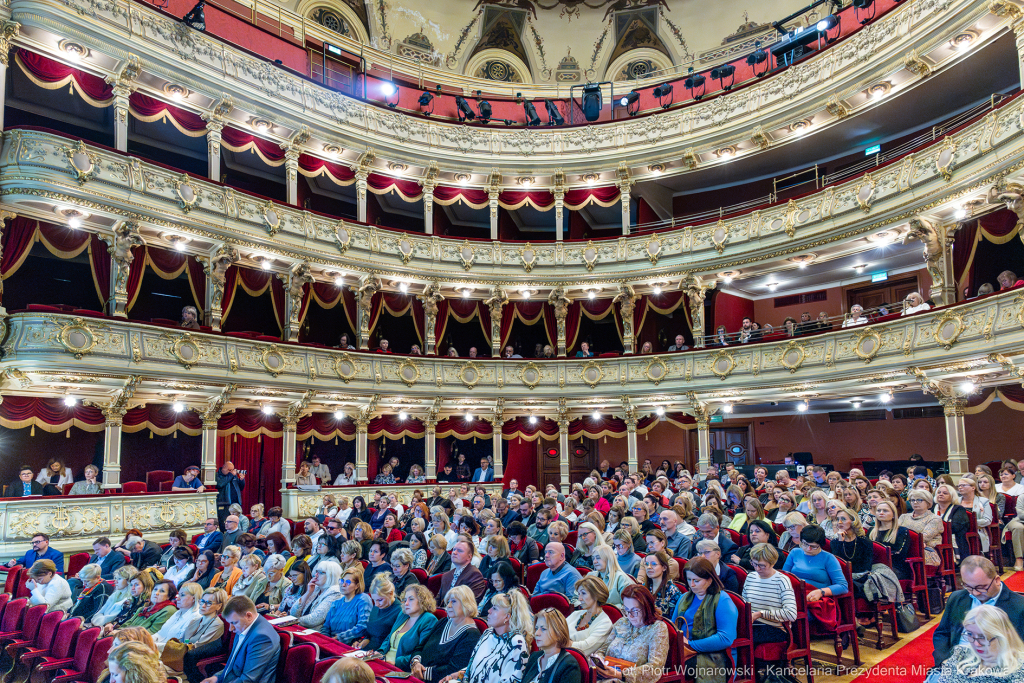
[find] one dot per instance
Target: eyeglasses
(635, 612)
(208, 603)
(346, 582)
(809, 546)
(977, 639)
(980, 589)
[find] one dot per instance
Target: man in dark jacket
(229, 489)
(25, 485)
(982, 586)
(462, 573)
(143, 553)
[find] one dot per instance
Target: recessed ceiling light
(533, 419)
(338, 415)
(596, 415)
(267, 410)
(69, 401)
(802, 406)
(960, 214)
(469, 417)
(402, 415)
(178, 406)
(772, 286)
(403, 287)
(659, 411)
(885, 398)
(727, 408)
(968, 387)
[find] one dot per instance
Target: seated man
(560, 576)
(256, 649)
(484, 473)
(462, 573)
(40, 550)
(539, 531)
(982, 586)
(211, 538)
(856, 318)
(708, 529)
(510, 352)
(680, 344)
(109, 562)
(312, 528)
(230, 536)
(710, 551)
(188, 480)
(25, 484)
(145, 553)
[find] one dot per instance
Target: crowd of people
(658, 545)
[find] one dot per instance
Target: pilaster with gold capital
(291, 172)
(430, 446)
(362, 424)
(214, 137)
(289, 424)
(361, 176)
(8, 31)
(208, 463)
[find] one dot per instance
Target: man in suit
(41, 550)
(513, 488)
(982, 586)
(710, 551)
(708, 529)
(230, 536)
(485, 472)
(143, 553)
(24, 485)
(212, 539)
(257, 647)
(229, 488)
(462, 573)
(506, 515)
(108, 562)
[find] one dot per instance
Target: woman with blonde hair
(134, 662)
(588, 539)
(253, 582)
(440, 524)
(751, 510)
(501, 653)
(597, 519)
(117, 598)
(440, 561)
(949, 509)
(411, 628)
(971, 501)
(606, 565)
(56, 474)
(853, 546)
(496, 551)
(230, 573)
(632, 526)
(994, 652)
(987, 489)
(854, 501)
(888, 532)
(925, 522)
(551, 663)
(349, 670)
(324, 589)
(448, 646)
(188, 611)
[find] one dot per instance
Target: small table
(329, 647)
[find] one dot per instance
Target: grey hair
(705, 545)
(90, 572)
(275, 562)
(708, 519)
(401, 556)
(131, 542)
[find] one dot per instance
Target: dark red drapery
(49, 73)
(408, 190)
(146, 108)
(240, 141)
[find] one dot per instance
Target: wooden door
(890, 292)
(582, 460)
(735, 440)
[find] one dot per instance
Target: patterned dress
(497, 659)
(647, 646)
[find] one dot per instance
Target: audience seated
(771, 597)
(706, 620)
(709, 528)
(888, 532)
(188, 481)
(948, 509)
(501, 653)
(606, 566)
(550, 663)
(93, 593)
(151, 605)
(256, 648)
(88, 486)
(463, 573)
(118, 598)
(201, 637)
(559, 576)
(590, 625)
(822, 572)
(501, 578)
(415, 623)
(40, 550)
(656, 576)
(639, 638)
(447, 648)
(48, 587)
(627, 560)
(135, 663)
(710, 551)
(925, 522)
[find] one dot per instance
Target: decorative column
(362, 446)
(295, 282)
(1003, 7)
(216, 269)
(4, 215)
(208, 465)
(626, 298)
(214, 125)
(430, 446)
(495, 305)
(956, 434)
(430, 298)
(624, 183)
(938, 256)
(119, 245)
(291, 173)
(368, 286)
(122, 85)
(8, 31)
(492, 202)
(429, 182)
(563, 454)
(559, 191)
(696, 291)
(290, 426)
(362, 170)
(112, 451)
(497, 420)
(703, 444)
(631, 443)
(560, 302)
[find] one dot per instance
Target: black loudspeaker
(718, 456)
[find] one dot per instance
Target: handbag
(906, 618)
(174, 654)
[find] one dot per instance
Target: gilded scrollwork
(722, 363)
(948, 328)
(408, 372)
(867, 344)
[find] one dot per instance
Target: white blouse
(179, 575)
(66, 478)
(591, 639)
(344, 480)
(175, 626)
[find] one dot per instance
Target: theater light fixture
(532, 419)
(825, 25)
(554, 117)
(485, 108)
(426, 100)
(968, 387)
(338, 415)
(70, 401)
(196, 17)
(531, 113)
(596, 415)
(178, 406)
(403, 287)
(960, 214)
(727, 408)
(74, 221)
(664, 94)
(802, 406)
(694, 81)
(592, 102)
(859, 5)
(469, 417)
(720, 73)
(402, 415)
(465, 111)
(339, 281)
(659, 411)
(886, 397)
(267, 410)
(758, 56)
(631, 101)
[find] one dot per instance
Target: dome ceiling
(556, 41)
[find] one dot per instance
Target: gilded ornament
(864, 192)
(76, 337)
(792, 355)
(405, 250)
(528, 255)
(469, 373)
(591, 373)
(83, 162)
(271, 217)
(187, 193)
(656, 370)
(946, 158)
(867, 345)
(342, 237)
(948, 328)
(273, 360)
(722, 363)
(653, 249)
(186, 350)
(408, 372)
(530, 374)
(345, 367)
(589, 255)
(467, 255)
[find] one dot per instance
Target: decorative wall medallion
(867, 345)
(405, 249)
(271, 218)
(720, 235)
(528, 255)
(186, 191)
(186, 350)
(273, 360)
(467, 255)
(944, 162)
(345, 368)
(656, 370)
(948, 329)
(592, 374)
(590, 255)
(408, 372)
(653, 249)
(792, 356)
(469, 373)
(530, 374)
(342, 236)
(76, 337)
(722, 363)
(83, 162)
(864, 192)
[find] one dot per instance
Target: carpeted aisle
(909, 664)
(1015, 581)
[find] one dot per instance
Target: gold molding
(79, 326)
(467, 263)
(656, 362)
(587, 367)
(654, 241)
(466, 368)
(593, 259)
(271, 217)
(74, 154)
(721, 355)
(862, 336)
(407, 363)
(785, 351)
(186, 205)
(530, 367)
(945, 319)
(345, 377)
(186, 339)
(528, 264)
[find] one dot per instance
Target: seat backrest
(48, 629)
(533, 573)
(299, 663)
(33, 618)
(22, 590)
(133, 487)
(741, 575)
(321, 667)
(4, 599)
(98, 658)
(13, 614)
(581, 660)
(11, 583)
(434, 584)
(801, 627)
(613, 612)
(287, 639)
(572, 538)
(420, 574)
(440, 613)
(674, 661)
(481, 625)
(64, 638)
(154, 477)
(83, 647)
(76, 562)
(736, 536)
(540, 602)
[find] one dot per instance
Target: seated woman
(156, 607)
(277, 544)
(630, 525)
(925, 522)
(390, 531)
(88, 486)
(187, 602)
(119, 597)
(411, 629)
(588, 538)
(448, 646)
(589, 626)
(656, 577)
(305, 476)
(770, 595)
(299, 577)
(182, 565)
(501, 652)
(48, 587)
(383, 614)
(853, 546)
(302, 549)
(440, 561)
(551, 663)
(760, 531)
(521, 546)
(971, 501)
(94, 593)
(622, 544)
(325, 548)
(639, 638)
(706, 620)
(606, 566)
(440, 524)
(203, 636)
(277, 584)
(227, 577)
(948, 509)
(855, 503)
(385, 477)
(993, 651)
(312, 608)
(794, 523)
(253, 581)
(501, 578)
(349, 614)
(752, 510)
(821, 570)
(362, 533)
(786, 503)
(496, 551)
(888, 532)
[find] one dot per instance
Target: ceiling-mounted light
(727, 408)
(631, 102)
(178, 406)
(659, 411)
(402, 415)
(388, 88)
(426, 100)
(532, 119)
(403, 287)
(720, 73)
(70, 401)
(695, 81)
(727, 279)
(772, 286)
(469, 417)
(75, 222)
(802, 406)
(591, 295)
(657, 290)
(466, 112)
(856, 403)
(268, 410)
(532, 419)
(664, 94)
(555, 117)
(596, 415)
(465, 294)
(968, 387)
(338, 415)
(339, 281)
(960, 214)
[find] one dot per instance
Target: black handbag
(906, 618)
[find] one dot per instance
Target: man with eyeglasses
(981, 586)
(212, 538)
(560, 576)
(708, 529)
(539, 531)
(40, 550)
(334, 529)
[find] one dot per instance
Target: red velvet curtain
(162, 420)
(963, 257)
(46, 72)
(463, 310)
(529, 313)
(240, 141)
(99, 260)
(449, 195)
(146, 108)
(604, 196)
(22, 411)
(19, 236)
(394, 428)
(516, 199)
(461, 428)
(408, 190)
(311, 166)
(325, 426)
(255, 283)
(595, 310)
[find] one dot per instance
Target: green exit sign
(717, 418)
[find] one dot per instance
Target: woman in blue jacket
(706, 618)
(411, 628)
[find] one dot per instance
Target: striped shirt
(772, 597)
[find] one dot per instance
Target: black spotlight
(664, 94)
(758, 56)
(720, 73)
(426, 100)
(592, 102)
(694, 81)
(631, 102)
(531, 113)
(827, 24)
(858, 5)
(465, 112)
(485, 111)
(554, 118)
(196, 17)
